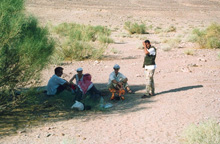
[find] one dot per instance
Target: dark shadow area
(180, 89)
(134, 88)
(37, 109)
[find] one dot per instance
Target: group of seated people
(83, 85)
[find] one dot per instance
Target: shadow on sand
(180, 89)
(39, 109)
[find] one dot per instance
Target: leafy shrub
(133, 28)
(79, 32)
(115, 51)
(79, 50)
(205, 133)
(208, 38)
(24, 46)
(81, 42)
(105, 39)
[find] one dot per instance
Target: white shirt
(53, 84)
(113, 76)
(151, 52)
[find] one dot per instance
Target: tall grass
(81, 42)
(208, 38)
(25, 48)
(133, 28)
(205, 133)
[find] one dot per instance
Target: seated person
(117, 80)
(56, 84)
(84, 85)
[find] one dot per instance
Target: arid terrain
(187, 84)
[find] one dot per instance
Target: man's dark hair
(147, 41)
(58, 69)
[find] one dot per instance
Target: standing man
(149, 66)
(56, 84)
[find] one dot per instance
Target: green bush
(79, 50)
(24, 46)
(105, 39)
(81, 42)
(80, 32)
(205, 133)
(208, 38)
(133, 28)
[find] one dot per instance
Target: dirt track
(187, 86)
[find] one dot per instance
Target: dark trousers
(93, 92)
(60, 89)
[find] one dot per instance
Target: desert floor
(187, 86)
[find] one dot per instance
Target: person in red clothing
(84, 86)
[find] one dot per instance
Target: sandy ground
(187, 86)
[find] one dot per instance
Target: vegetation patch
(189, 52)
(115, 51)
(171, 29)
(207, 132)
(173, 43)
(81, 42)
(25, 49)
(158, 30)
(208, 38)
(133, 28)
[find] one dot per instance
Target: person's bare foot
(129, 90)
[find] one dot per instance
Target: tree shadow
(180, 89)
(38, 109)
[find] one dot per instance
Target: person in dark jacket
(149, 66)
